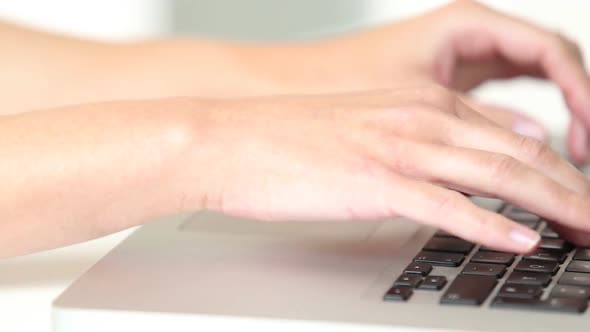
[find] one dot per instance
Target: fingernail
(530, 129)
(526, 238)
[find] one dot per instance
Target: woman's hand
(71, 174)
(376, 155)
(459, 46)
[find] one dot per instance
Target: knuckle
(532, 149)
(502, 166)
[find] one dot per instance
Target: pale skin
(371, 125)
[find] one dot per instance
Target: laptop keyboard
(555, 277)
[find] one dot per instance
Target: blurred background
(294, 19)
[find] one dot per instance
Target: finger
(557, 58)
(578, 141)
(454, 213)
(478, 135)
(496, 175)
(510, 119)
(581, 239)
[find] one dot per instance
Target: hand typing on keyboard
(373, 125)
(409, 150)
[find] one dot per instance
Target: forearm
(73, 174)
(41, 70)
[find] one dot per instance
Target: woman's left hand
(460, 46)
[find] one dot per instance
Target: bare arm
(76, 173)
(72, 174)
(40, 70)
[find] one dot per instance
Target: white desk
(29, 284)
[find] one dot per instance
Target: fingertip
(523, 239)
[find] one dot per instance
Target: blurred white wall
(104, 19)
(292, 19)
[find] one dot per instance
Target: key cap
(495, 270)
(490, 257)
(582, 255)
(410, 280)
(578, 266)
(532, 224)
(521, 291)
(556, 244)
(552, 304)
(484, 248)
(549, 233)
(537, 266)
(490, 204)
(440, 258)
(523, 216)
(517, 209)
(547, 255)
(398, 293)
(571, 291)
(418, 268)
(469, 289)
(448, 245)
(433, 283)
(574, 279)
(529, 278)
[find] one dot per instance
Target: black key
(433, 283)
(469, 289)
(521, 291)
(418, 268)
(490, 257)
(529, 278)
(575, 279)
(582, 255)
(526, 265)
(552, 304)
(410, 280)
(547, 255)
(398, 293)
(440, 258)
(578, 266)
(571, 291)
(448, 244)
(517, 209)
(495, 270)
(484, 248)
(441, 233)
(549, 233)
(555, 244)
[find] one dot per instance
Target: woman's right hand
(373, 155)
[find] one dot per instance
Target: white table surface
(30, 283)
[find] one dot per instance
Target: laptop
(206, 271)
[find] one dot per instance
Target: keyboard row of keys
(524, 285)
